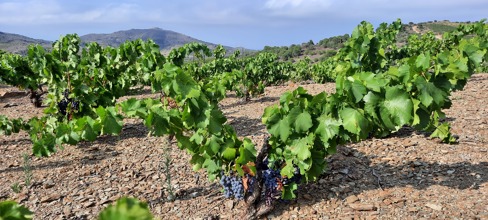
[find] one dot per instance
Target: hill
(16, 43)
(166, 40)
(328, 46)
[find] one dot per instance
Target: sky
(252, 24)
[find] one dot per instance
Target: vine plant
(380, 87)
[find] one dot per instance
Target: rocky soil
(405, 176)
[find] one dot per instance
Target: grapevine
(380, 87)
(125, 208)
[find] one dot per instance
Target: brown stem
(256, 206)
(70, 113)
(35, 97)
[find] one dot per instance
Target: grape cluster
(271, 178)
(251, 180)
(297, 177)
(232, 186)
(270, 191)
(63, 104)
(274, 182)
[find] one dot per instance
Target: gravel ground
(405, 176)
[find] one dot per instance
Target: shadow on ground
(351, 166)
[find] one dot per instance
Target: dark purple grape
(251, 180)
(75, 105)
(65, 102)
(62, 105)
(232, 186)
(270, 178)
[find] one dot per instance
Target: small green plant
(127, 209)
(13, 211)
(16, 187)
(456, 98)
(124, 209)
(27, 170)
(166, 169)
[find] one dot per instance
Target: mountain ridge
(166, 39)
(327, 47)
(16, 43)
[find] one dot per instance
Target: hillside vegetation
(15, 43)
(165, 39)
(328, 47)
(85, 96)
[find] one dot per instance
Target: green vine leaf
(430, 93)
(301, 147)
(110, 121)
(229, 153)
(212, 146)
(328, 127)
(397, 108)
(443, 132)
(44, 146)
(354, 122)
(358, 90)
(423, 61)
(281, 129)
(11, 210)
(303, 121)
(89, 128)
(247, 152)
(126, 209)
(289, 191)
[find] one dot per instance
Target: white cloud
(278, 21)
(25, 12)
(109, 14)
(297, 8)
(53, 12)
(277, 4)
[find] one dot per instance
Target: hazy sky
(247, 23)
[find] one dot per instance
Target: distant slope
(16, 43)
(328, 46)
(166, 39)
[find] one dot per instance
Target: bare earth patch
(405, 176)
